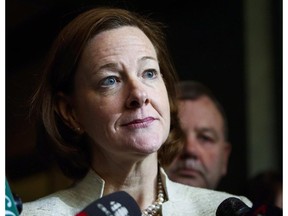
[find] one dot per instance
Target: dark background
(207, 43)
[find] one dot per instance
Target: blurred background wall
(234, 47)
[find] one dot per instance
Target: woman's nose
(137, 95)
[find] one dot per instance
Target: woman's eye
(150, 74)
(111, 80)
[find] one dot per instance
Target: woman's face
(120, 99)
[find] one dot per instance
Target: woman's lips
(140, 123)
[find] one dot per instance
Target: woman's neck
(139, 179)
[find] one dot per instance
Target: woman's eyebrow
(148, 58)
(108, 65)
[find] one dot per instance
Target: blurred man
(204, 158)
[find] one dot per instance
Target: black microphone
(233, 206)
(116, 204)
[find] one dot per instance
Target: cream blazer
(183, 200)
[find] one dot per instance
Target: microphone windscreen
(116, 204)
(232, 206)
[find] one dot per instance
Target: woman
(107, 100)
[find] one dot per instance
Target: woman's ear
(64, 108)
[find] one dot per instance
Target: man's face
(204, 158)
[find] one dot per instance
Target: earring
(77, 130)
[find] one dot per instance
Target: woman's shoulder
(68, 201)
(201, 194)
(199, 201)
(53, 204)
(63, 202)
(177, 191)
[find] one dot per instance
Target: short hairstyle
(71, 150)
(193, 90)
